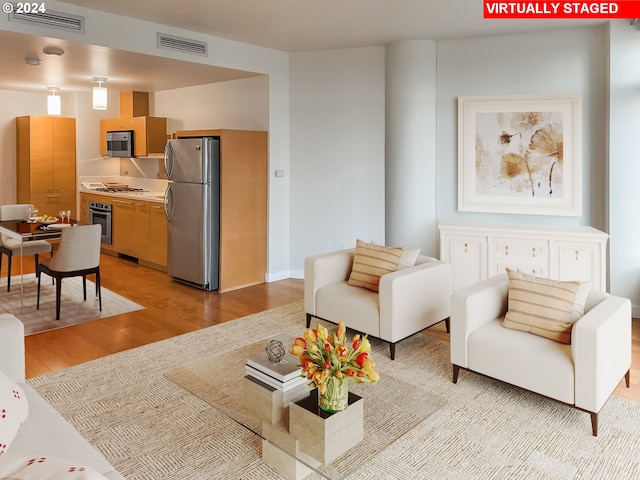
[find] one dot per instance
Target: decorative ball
(275, 351)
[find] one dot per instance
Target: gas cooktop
(118, 189)
(110, 187)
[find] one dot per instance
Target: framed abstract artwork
(520, 154)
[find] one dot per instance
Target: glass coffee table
(388, 410)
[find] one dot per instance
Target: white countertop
(148, 196)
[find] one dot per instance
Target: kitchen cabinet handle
(120, 201)
(53, 196)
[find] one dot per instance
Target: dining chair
(11, 246)
(78, 255)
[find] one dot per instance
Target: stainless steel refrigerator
(192, 207)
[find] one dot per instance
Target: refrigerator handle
(168, 195)
(168, 152)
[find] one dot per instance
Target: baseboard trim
(283, 275)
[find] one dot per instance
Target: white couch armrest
(601, 349)
(413, 299)
(473, 307)
(12, 347)
(325, 269)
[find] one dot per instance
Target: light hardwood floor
(172, 309)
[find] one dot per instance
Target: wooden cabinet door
(41, 154)
(157, 235)
(130, 227)
(64, 155)
(52, 203)
(140, 228)
(84, 208)
(122, 226)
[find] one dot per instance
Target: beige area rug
(149, 428)
(73, 310)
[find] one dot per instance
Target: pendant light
(99, 94)
(53, 101)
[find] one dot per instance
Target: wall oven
(100, 213)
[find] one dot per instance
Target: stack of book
(282, 376)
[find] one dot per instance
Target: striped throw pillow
(371, 262)
(544, 307)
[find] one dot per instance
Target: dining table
(26, 231)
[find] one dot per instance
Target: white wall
(624, 162)
(238, 104)
(561, 61)
(15, 104)
(337, 150)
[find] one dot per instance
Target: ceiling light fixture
(53, 101)
(99, 94)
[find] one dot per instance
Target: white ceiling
(72, 71)
(289, 25)
(296, 25)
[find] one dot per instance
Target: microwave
(120, 143)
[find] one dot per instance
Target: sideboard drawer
(521, 247)
(538, 269)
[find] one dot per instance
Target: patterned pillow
(13, 410)
(21, 467)
(371, 262)
(544, 307)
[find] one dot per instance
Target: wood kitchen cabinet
(46, 163)
(149, 133)
(157, 234)
(130, 227)
(477, 251)
(140, 230)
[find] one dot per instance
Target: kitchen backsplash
(142, 168)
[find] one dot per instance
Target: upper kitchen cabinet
(46, 163)
(149, 133)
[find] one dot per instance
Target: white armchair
(409, 300)
(583, 374)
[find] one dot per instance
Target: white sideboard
(481, 250)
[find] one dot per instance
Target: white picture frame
(520, 154)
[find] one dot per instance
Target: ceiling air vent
(49, 19)
(178, 44)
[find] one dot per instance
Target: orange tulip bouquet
(328, 362)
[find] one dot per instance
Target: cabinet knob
(506, 249)
(577, 254)
(533, 271)
(534, 251)
(465, 247)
